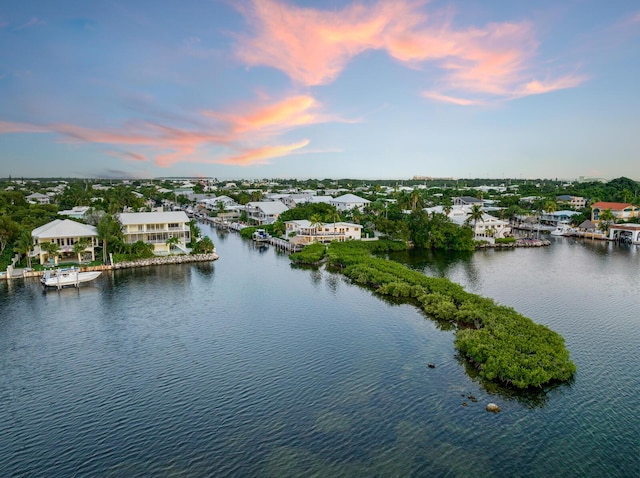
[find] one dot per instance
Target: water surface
(251, 367)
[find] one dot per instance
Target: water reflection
(250, 367)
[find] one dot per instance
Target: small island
(502, 344)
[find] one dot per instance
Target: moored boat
(260, 235)
(65, 277)
(563, 229)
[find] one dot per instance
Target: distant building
(347, 202)
(76, 212)
(466, 201)
(576, 202)
(37, 198)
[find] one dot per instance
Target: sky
(320, 89)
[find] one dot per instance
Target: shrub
(311, 254)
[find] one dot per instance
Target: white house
(76, 212)
(466, 201)
(293, 200)
(347, 202)
(156, 228)
(303, 231)
(37, 198)
(65, 233)
(320, 199)
(264, 212)
(489, 226)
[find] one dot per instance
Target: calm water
(249, 367)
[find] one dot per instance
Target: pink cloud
(433, 95)
(287, 113)
(172, 145)
(7, 127)
(536, 87)
(313, 46)
(262, 154)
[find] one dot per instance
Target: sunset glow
(378, 87)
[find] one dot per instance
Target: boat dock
(278, 243)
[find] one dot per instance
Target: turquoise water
(251, 367)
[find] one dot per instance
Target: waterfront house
(156, 228)
(488, 227)
(302, 231)
(347, 202)
(621, 211)
(65, 233)
(556, 217)
(264, 212)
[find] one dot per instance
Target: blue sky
(371, 89)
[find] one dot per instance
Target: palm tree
(24, 245)
(606, 219)
(204, 246)
(172, 241)
(416, 200)
(80, 245)
(194, 231)
(52, 249)
(475, 215)
(316, 221)
(108, 229)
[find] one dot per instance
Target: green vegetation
(505, 240)
(501, 343)
(310, 255)
(203, 246)
(132, 252)
(247, 232)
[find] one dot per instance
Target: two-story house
(65, 233)
(303, 231)
(156, 228)
(621, 211)
(264, 212)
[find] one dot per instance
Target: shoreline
(153, 261)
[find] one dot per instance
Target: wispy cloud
(32, 22)
(127, 155)
(435, 96)
(313, 46)
(228, 134)
(262, 154)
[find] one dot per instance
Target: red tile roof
(614, 206)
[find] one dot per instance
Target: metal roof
(64, 228)
(127, 218)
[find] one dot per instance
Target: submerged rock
(492, 407)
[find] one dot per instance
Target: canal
(251, 367)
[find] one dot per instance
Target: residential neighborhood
(160, 215)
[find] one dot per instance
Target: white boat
(70, 276)
(563, 229)
(261, 235)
